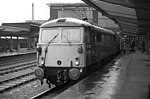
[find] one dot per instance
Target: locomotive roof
(73, 22)
(103, 30)
(65, 22)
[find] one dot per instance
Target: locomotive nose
(39, 73)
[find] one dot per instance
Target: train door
(93, 45)
(87, 41)
(90, 45)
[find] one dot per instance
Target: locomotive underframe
(58, 75)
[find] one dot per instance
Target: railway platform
(128, 78)
(19, 52)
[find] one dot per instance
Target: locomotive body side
(99, 44)
(68, 47)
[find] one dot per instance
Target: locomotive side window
(71, 35)
(48, 34)
(91, 34)
(98, 37)
(103, 38)
(107, 37)
(114, 38)
(87, 35)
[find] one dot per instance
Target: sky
(15, 11)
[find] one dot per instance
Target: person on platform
(143, 46)
(132, 46)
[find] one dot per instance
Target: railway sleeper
(16, 70)
(12, 79)
(15, 62)
(15, 84)
(17, 65)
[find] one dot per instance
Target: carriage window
(48, 35)
(114, 38)
(98, 37)
(87, 35)
(103, 37)
(71, 35)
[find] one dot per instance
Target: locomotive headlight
(80, 50)
(77, 61)
(42, 61)
(81, 70)
(39, 49)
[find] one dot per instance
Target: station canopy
(26, 29)
(132, 16)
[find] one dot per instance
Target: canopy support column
(11, 44)
(149, 44)
(18, 45)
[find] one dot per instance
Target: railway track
(18, 78)
(17, 67)
(13, 62)
(6, 61)
(16, 74)
(52, 92)
(17, 82)
(42, 94)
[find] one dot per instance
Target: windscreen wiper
(48, 45)
(50, 42)
(67, 40)
(52, 39)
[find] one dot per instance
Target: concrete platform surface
(128, 78)
(21, 51)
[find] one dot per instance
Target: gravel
(26, 91)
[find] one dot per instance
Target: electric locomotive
(67, 47)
